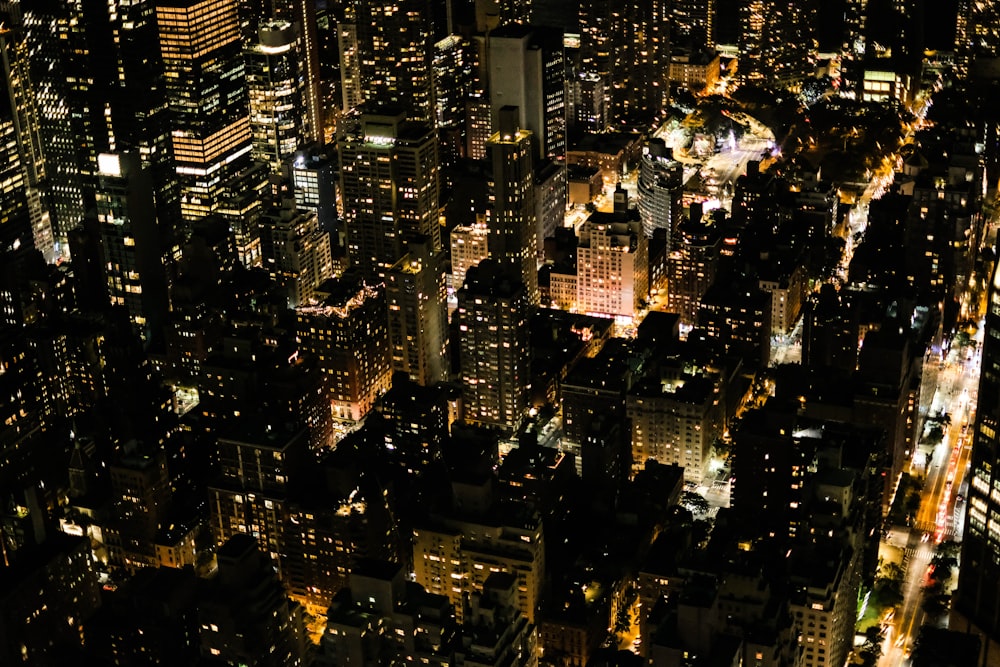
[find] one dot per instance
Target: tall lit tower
(133, 259)
(395, 48)
(977, 32)
(69, 116)
(301, 14)
(977, 599)
(513, 230)
(418, 316)
(661, 185)
(276, 94)
(493, 346)
(206, 91)
(527, 71)
(21, 102)
(777, 41)
(389, 189)
(626, 43)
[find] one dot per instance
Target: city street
(943, 468)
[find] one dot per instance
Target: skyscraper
(277, 90)
(527, 71)
(389, 189)
(777, 42)
(977, 599)
(513, 231)
(207, 95)
(493, 342)
(693, 23)
(661, 184)
(627, 45)
(977, 32)
(418, 321)
(300, 17)
(394, 55)
(133, 258)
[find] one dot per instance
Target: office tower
(416, 424)
(60, 56)
(455, 76)
(296, 252)
(493, 346)
(513, 229)
(418, 321)
(977, 599)
(977, 32)
(526, 70)
(15, 217)
(351, 94)
(207, 96)
(590, 110)
(627, 45)
(133, 259)
(661, 185)
(139, 112)
(390, 51)
(692, 265)
(777, 42)
(96, 74)
(314, 177)
(244, 616)
(692, 24)
(612, 266)
(300, 17)
(277, 90)
(469, 246)
(21, 110)
(389, 189)
(347, 331)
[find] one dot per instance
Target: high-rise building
(469, 246)
(661, 186)
(455, 556)
(692, 265)
(206, 90)
(389, 189)
(133, 259)
(513, 229)
(300, 17)
(20, 109)
(455, 74)
(692, 24)
(627, 45)
(612, 266)
(68, 118)
(977, 599)
(777, 42)
(393, 47)
(418, 322)
(276, 94)
(297, 253)
(977, 32)
(493, 346)
(526, 70)
(347, 331)
(140, 489)
(15, 217)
